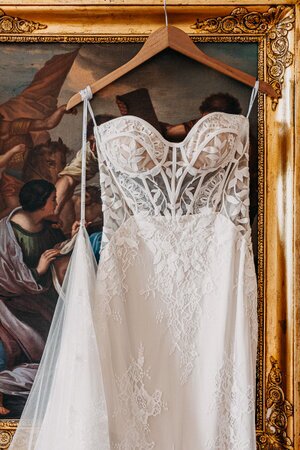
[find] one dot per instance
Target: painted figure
(28, 297)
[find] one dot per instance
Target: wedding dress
(174, 307)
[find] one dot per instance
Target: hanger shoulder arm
(182, 43)
(147, 51)
(230, 71)
(179, 41)
(103, 82)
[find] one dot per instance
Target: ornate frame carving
(278, 411)
(9, 24)
(274, 24)
(273, 28)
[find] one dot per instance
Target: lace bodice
(143, 173)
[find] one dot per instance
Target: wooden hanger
(176, 39)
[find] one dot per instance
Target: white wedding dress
(176, 286)
(174, 309)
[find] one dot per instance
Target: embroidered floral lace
(176, 286)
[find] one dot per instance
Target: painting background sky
(177, 85)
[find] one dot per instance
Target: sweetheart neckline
(158, 134)
(168, 144)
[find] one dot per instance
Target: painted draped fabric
(27, 304)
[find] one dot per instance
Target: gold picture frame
(274, 29)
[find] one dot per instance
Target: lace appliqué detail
(207, 171)
(251, 299)
(136, 406)
(114, 208)
(179, 264)
(233, 402)
(249, 287)
(113, 267)
(235, 203)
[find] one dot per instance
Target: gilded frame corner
(273, 28)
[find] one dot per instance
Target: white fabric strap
(166, 14)
(253, 97)
(86, 95)
(92, 114)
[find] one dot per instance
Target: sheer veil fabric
(158, 350)
(66, 408)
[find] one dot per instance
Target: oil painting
(40, 140)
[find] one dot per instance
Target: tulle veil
(66, 408)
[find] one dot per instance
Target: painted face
(50, 205)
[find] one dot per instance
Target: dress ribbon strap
(86, 95)
(253, 96)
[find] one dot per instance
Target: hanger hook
(166, 14)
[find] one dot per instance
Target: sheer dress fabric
(66, 408)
